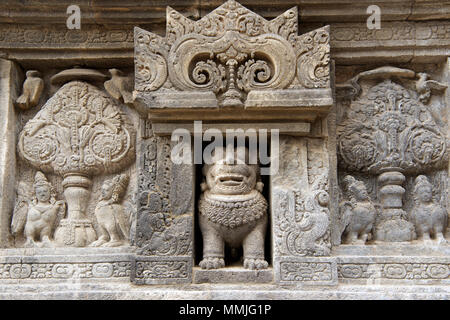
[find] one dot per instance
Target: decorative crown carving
(229, 53)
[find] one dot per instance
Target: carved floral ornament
(79, 130)
(230, 52)
(387, 126)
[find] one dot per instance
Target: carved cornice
(147, 11)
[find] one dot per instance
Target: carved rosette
(79, 132)
(230, 52)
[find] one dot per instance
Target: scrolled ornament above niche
(231, 59)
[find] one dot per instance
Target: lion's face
(228, 178)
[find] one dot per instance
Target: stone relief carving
(118, 86)
(358, 214)
(304, 224)
(61, 270)
(161, 233)
(301, 199)
(31, 92)
(79, 133)
(429, 218)
(306, 271)
(233, 211)
(114, 224)
(36, 217)
(230, 52)
(388, 132)
(424, 87)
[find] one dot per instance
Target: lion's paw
(212, 263)
(255, 264)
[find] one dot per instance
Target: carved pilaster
(300, 214)
(9, 87)
(164, 227)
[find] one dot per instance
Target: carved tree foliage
(79, 130)
(388, 127)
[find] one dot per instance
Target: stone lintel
(294, 99)
(299, 128)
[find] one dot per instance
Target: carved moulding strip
(48, 265)
(306, 271)
(389, 269)
(162, 270)
(230, 53)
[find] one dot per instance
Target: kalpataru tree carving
(78, 133)
(233, 211)
(36, 217)
(114, 224)
(387, 131)
(230, 52)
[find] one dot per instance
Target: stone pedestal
(76, 230)
(392, 224)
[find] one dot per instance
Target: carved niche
(230, 65)
(389, 133)
(80, 132)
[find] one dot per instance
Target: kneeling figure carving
(113, 223)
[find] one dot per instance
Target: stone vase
(76, 229)
(392, 225)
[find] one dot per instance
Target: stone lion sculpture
(37, 218)
(113, 223)
(232, 211)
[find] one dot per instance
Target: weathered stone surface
(232, 275)
(389, 133)
(9, 85)
(232, 211)
(356, 206)
(165, 209)
(222, 61)
(300, 214)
